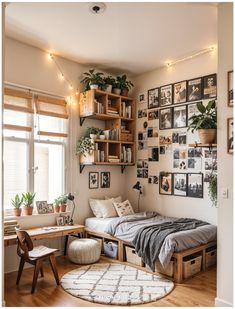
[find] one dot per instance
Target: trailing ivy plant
(213, 189)
(84, 146)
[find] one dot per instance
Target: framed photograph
(105, 179)
(44, 208)
(142, 98)
(180, 116)
(230, 88)
(209, 86)
(165, 183)
(152, 132)
(166, 95)
(153, 154)
(66, 219)
(192, 110)
(153, 180)
(180, 94)
(195, 185)
(230, 135)
(180, 184)
(153, 114)
(165, 118)
(93, 180)
(194, 89)
(60, 220)
(153, 98)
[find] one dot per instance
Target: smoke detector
(97, 7)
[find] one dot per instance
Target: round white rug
(115, 284)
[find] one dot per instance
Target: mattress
(98, 224)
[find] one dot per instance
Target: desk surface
(46, 232)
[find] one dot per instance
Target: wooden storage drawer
(191, 265)
(132, 257)
(211, 258)
(126, 137)
(169, 271)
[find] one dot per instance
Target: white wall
(151, 199)
(225, 161)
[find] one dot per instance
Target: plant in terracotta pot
(92, 80)
(109, 82)
(205, 122)
(57, 205)
(17, 202)
(28, 203)
(63, 202)
(84, 146)
(124, 84)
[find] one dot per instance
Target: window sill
(24, 217)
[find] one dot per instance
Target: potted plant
(63, 202)
(17, 202)
(109, 82)
(124, 85)
(205, 122)
(28, 203)
(57, 205)
(84, 146)
(101, 134)
(213, 189)
(92, 80)
(92, 132)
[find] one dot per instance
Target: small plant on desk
(28, 203)
(17, 202)
(63, 202)
(57, 205)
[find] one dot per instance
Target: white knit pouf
(84, 251)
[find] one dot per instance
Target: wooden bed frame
(177, 256)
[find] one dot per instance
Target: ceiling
(127, 37)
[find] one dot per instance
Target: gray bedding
(126, 228)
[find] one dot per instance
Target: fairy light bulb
(70, 87)
(50, 56)
(76, 92)
(62, 76)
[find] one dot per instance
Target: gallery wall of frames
(163, 115)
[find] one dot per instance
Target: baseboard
(222, 303)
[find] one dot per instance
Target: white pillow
(96, 211)
(124, 208)
(117, 199)
(106, 208)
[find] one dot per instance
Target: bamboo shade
(17, 100)
(49, 106)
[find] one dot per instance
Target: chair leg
(41, 271)
(53, 266)
(21, 266)
(35, 275)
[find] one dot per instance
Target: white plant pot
(116, 90)
(94, 86)
(109, 88)
(93, 136)
(102, 136)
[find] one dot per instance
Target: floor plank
(197, 291)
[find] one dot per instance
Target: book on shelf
(125, 110)
(114, 160)
(99, 107)
(126, 154)
(9, 227)
(112, 134)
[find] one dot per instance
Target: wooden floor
(197, 291)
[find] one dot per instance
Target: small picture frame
(194, 89)
(180, 116)
(230, 135)
(195, 185)
(180, 184)
(93, 180)
(60, 221)
(44, 208)
(209, 86)
(166, 95)
(165, 183)
(153, 114)
(230, 88)
(142, 98)
(105, 179)
(180, 94)
(153, 98)
(165, 118)
(153, 154)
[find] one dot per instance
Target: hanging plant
(213, 189)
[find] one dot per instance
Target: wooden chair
(35, 256)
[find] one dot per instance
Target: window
(34, 146)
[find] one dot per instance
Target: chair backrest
(25, 243)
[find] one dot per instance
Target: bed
(176, 245)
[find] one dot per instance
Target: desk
(47, 232)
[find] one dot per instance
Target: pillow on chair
(124, 208)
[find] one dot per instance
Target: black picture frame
(194, 89)
(195, 186)
(180, 189)
(165, 124)
(93, 180)
(105, 180)
(230, 88)
(180, 92)
(230, 135)
(153, 154)
(166, 95)
(165, 188)
(153, 98)
(153, 114)
(210, 86)
(181, 120)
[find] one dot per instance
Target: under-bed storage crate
(132, 257)
(168, 271)
(100, 240)
(191, 265)
(111, 248)
(210, 258)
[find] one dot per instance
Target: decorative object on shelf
(165, 183)
(165, 118)
(138, 188)
(153, 98)
(230, 88)
(93, 180)
(105, 179)
(195, 185)
(230, 135)
(205, 122)
(180, 92)
(123, 84)
(180, 116)
(84, 146)
(166, 95)
(17, 202)
(71, 198)
(28, 203)
(92, 132)
(92, 80)
(57, 205)
(180, 184)
(44, 208)
(212, 189)
(63, 202)
(109, 82)
(209, 86)
(194, 89)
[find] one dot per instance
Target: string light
(201, 52)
